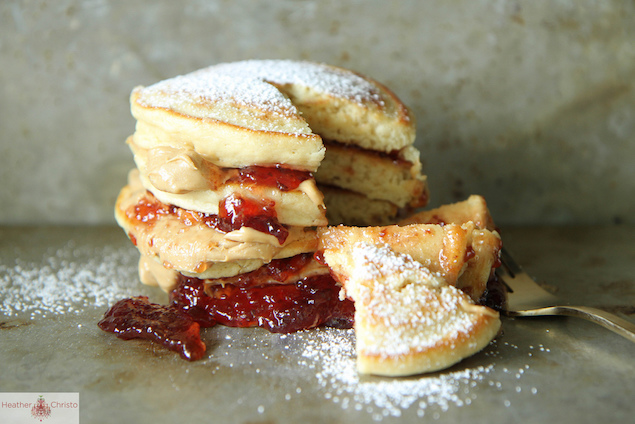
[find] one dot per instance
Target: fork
(526, 299)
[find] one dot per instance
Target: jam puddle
(137, 318)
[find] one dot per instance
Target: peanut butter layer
(191, 246)
(181, 177)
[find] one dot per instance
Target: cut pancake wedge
(408, 320)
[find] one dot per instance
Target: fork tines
(509, 263)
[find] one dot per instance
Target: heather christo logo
(41, 409)
(48, 408)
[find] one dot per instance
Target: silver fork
(526, 299)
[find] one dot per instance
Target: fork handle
(606, 319)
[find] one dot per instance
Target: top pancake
(270, 112)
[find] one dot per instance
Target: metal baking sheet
(56, 283)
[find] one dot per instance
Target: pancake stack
(238, 164)
(273, 194)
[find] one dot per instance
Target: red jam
(149, 209)
(137, 318)
(278, 271)
(281, 178)
(234, 212)
(280, 308)
(495, 295)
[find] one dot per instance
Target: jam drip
(236, 212)
(137, 318)
(280, 308)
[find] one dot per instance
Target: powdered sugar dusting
(331, 353)
(70, 279)
(373, 261)
(249, 83)
(410, 308)
(88, 268)
(214, 85)
(336, 82)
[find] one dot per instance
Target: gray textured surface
(539, 370)
(530, 103)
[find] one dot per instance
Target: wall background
(529, 103)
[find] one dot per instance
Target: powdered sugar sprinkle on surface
(69, 279)
(331, 353)
(85, 269)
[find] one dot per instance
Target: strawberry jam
(278, 271)
(149, 209)
(280, 308)
(137, 318)
(234, 212)
(495, 295)
(278, 177)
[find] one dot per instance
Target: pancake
(350, 208)
(408, 320)
(269, 112)
(474, 209)
(243, 171)
(395, 178)
(462, 255)
(276, 114)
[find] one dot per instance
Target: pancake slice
(408, 320)
(474, 209)
(395, 178)
(349, 208)
(460, 254)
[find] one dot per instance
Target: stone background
(529, 103)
